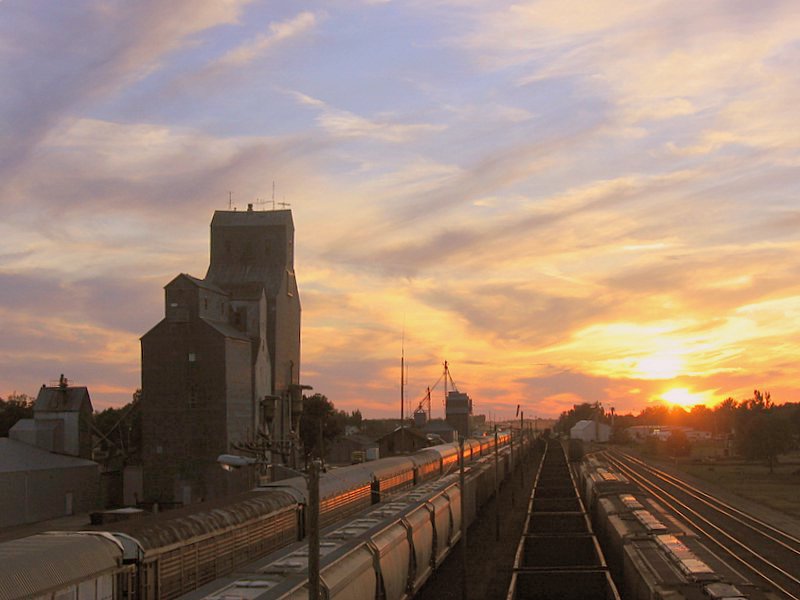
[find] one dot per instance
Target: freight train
(651, 554)
(387, 553)
(167, 555)
(593, 533)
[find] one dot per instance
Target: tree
(580, 412)
(319, 416)
(678, 444)
(701, 418)
(119, 430)
(16, 407)
(763, 430)
(678, 416)
(724, 416)
(654, 415)
(764, 436)
(355, 419)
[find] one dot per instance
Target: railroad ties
(558, 556)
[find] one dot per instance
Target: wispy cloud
(569, 202)
(277, 32)
(45, 55)
(345, 124)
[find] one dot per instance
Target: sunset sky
(567, 200)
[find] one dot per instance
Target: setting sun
(683, 397)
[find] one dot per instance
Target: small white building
(590, 431)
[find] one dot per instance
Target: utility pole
(522, 462)
(321, 445)
(463, 524)
(402, 394)
(313, 531)
(496, 487)
(513, 464)
(445, 384)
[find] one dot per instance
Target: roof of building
(17, 456)
(227, 330)
(60, 398)
(585, 424)
(360, 439)
(201, 283)
(408, 430)
(247, 218)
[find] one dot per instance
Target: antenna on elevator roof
(230, 199)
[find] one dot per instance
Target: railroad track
(772, 556)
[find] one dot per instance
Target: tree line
(758, 428)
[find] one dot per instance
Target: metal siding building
(590, 431)
(36, 485)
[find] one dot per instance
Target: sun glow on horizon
(684, 398)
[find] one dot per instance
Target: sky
(568, 201)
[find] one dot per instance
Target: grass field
(779, 490)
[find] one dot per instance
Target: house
(405, 440)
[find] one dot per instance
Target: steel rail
(716, 503)
(641, 480)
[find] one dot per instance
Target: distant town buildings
(639, 433)
(404, 440)
(222, 369)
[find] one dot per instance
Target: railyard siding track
(771, 555)
(558, 556)
(489, 561)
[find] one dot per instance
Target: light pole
(313, 530)
(462, 496)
